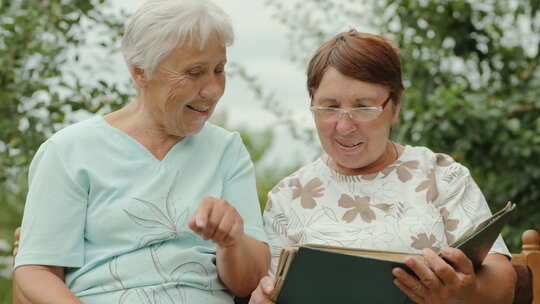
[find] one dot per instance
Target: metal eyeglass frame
(348, 111)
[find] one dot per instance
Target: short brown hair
(365, 57)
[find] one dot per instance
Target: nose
(345, 125)
(213, 89)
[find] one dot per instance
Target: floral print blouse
(422, 200)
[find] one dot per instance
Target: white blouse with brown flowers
(422, 200)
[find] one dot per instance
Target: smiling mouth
(349, 145)
(199, 109)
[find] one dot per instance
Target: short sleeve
(463, 205)
(240, 188)
(54, 214)
(275, 221)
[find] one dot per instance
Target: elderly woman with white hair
(148, 204)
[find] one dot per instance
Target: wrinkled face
(186, 88)
(351, 144)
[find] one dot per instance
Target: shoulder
(440, 166)
(71, 140)
(77, 146)
(81, 133)
(308, 180)
(215, 146)
(215, 136)
(62, 151)
(308, 175)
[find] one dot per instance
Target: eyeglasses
(356, 113)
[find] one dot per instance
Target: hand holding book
(320, 274)
(437, 276)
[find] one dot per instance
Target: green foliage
(270, 103)
(472, 75)
(5, 291)
(486, 114)
(36, 43)
(258, 144)
(38, 39)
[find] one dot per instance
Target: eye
(220, 69)
(360, 105)
(328, 102)
(329, 105)
(195, 73)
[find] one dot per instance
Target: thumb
(267, 284)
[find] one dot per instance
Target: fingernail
(199, 222)
(268, 287)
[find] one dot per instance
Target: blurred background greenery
(471, 70)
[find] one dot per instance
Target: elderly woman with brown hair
(148, 204)
(370, 192)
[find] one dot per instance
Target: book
(312, 273)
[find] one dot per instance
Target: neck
(136, 121)
(389, 156)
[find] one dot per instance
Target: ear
(138, 75)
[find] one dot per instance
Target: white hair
(160, 26)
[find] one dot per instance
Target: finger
(193, 226)
(458, 259)
(203, 212)
(444, 271)
(424, 273)
(409, 292)
(258, 297)
(224, 228)
(261, 295)
(267, 284)
(235, 233)
(407, 280)
(219, 209)
(200, 218)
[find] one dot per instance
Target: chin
(350, 163)
(192, 130)
(183, 130)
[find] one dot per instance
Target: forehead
(335, 85)
(212, 52)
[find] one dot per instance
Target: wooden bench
(526, 263)
(527, 266)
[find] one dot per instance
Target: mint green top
(101, 205)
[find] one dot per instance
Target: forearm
(495, 281)
(44, 285)
(241, 266)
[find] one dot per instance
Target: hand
(439, 281)
(217, 220)
(261, 295)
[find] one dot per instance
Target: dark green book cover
(322, 276)
(319, 274)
